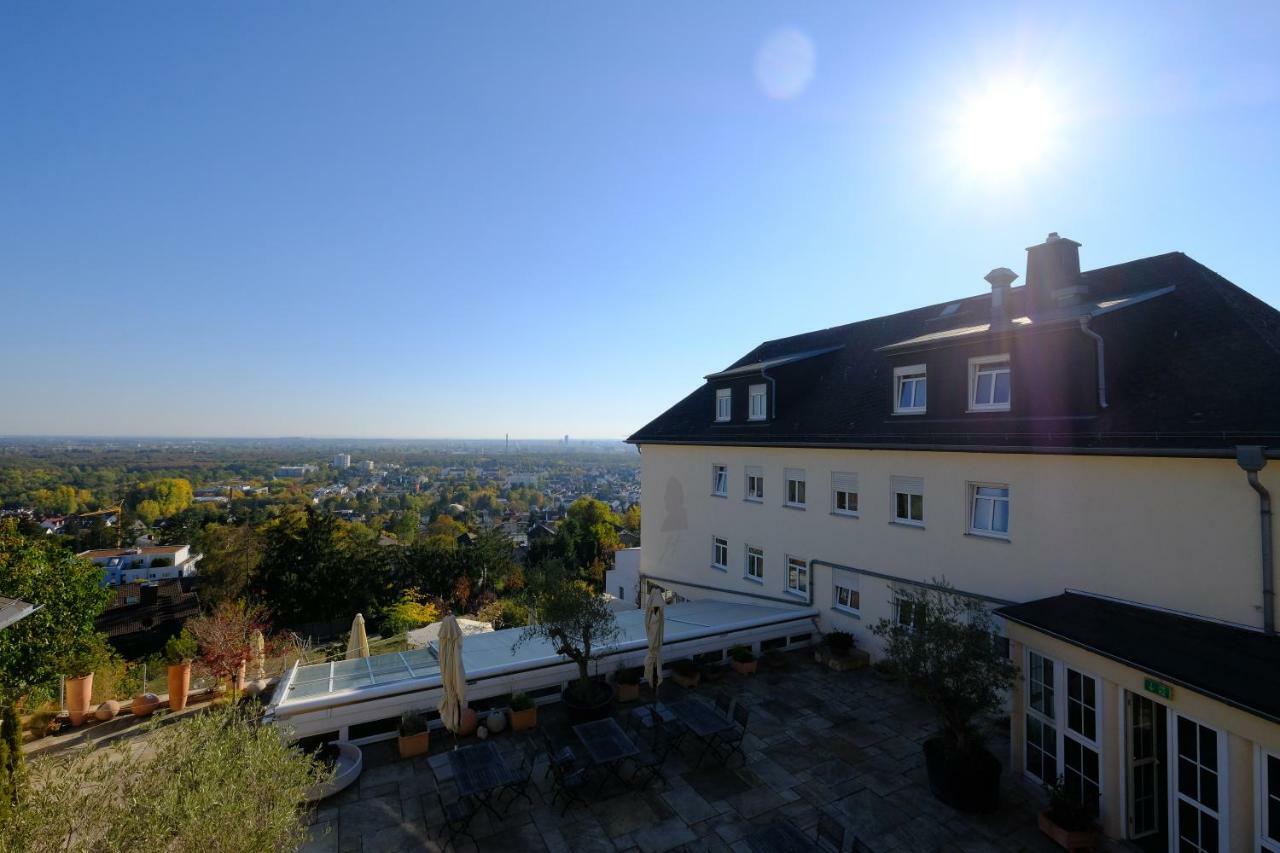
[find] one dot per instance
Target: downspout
(1252, 459)
(773, 395)
(1102, 361)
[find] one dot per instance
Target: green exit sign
(1159, 688)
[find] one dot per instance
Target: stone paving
(848, 743)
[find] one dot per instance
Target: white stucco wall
(1177, 533)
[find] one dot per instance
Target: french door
(1199, 771)
(1147, 788)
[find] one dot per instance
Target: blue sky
(413, 219)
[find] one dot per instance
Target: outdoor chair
(571, 786)
(731, 739)
(457, 818)
(723, 702)
(518, 779)
(831, 831)
(558, 758)
(649, 762)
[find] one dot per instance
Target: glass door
(1148, 785)
(1199, 759)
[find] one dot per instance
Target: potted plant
(685, 672)
(580, 625)
(524, 712)
(627, 682)
(947, 654)
(1069, 821)
(84, 658)
(742, 659)
(415, 737)
(179, 651)
(839, 643)
(841, 652)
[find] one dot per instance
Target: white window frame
(797, 497)
(750, 552)
(849, 583)
(724, 405)
(757, 394)
(718, 470)
(801, 569)
(913, 373)
(903, 486)
(753, 472)
(900, 599)
(975, 366)
(1046, 718)
(1223, 813)
(847, 484)
(1059, 718)
(719, 544)
(973, 509)
(1262, 823)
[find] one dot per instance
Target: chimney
(1053, 274)
(1000, 279)
(150, 593)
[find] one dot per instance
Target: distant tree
(589, 536)
(446, 525)
(64, 500)
(173, 494)
(631, 519)
(404, 527)
(232, 554)
(100, 535)
(148, 511)
(410, 612)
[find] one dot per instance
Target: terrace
(845, 743)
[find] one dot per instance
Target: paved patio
(848, 743)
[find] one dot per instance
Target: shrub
(948, 655)
(504, 613)
(215, 781)
(410, 612)
(180, 648)
(742, 654)
(412, 723)
(840, 642)
(1067, 810)
(521, 702)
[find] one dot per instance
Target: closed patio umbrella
(453, 678)
(654, 620)
(257, 647)
(358, 641)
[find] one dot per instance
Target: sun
(1004, 131)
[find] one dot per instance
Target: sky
(468, 220)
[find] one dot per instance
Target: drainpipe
(1102, 361)
(773, 395)
(1252, 459)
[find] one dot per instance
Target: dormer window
(989, 384)
(724, 404)
(910, 390)
(758, 399)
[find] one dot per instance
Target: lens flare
(785, 64)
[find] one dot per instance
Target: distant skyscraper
(342, 461)
(566, 441)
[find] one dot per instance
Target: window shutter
(844, 482)
(795, 473)
(908, 485)
(755, 471)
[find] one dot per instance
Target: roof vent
(1000, 280)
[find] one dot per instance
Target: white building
(342, 461)
(1086, 454)
(153, 562)
(295, 470)
(623, 580)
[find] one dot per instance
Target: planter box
(744, 667)
(686, 680)
(468, 723)
(410, 745)
(526, 719)
(856, 659)
(1082, 839)
(628, 692)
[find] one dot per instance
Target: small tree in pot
(414, 735)
(179, 651)
(943, 645)
(579, 625)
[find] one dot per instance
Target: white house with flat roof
(145, 563)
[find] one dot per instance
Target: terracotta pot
(79, 692)
(468, 726)
(526, 719)
(107, 711)
(495, 722)
(238, 686)
(743, 667)
(1080, 839)
(179, 685)
(628, 692)
(144, 704)
(411, 745)
(686, 680)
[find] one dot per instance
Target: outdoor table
(664, 712)
(479, 771)
(780, 836)
(703, 720)
(606, 743)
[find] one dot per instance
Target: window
(720, 480)
(755, 483)
(844, 593)
(989, 384)
(1197, 804)
(908, 613)
(908, 500)
(795, 487)
(989, 510)
(1062, 725)
(724, 404)
(909, 390)
(756, 394)
(755, 563)
(1269, 794)
(844, 494)
(719, 553)
(797, 576)
(1040, 754)
(1080, 749)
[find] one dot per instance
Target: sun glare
(1004, 131)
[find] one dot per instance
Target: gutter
(1253, 458)
(1173, 452)
(1102, 361)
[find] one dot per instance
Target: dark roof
(1234, 665)
(176, 601)
(1192, 361)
